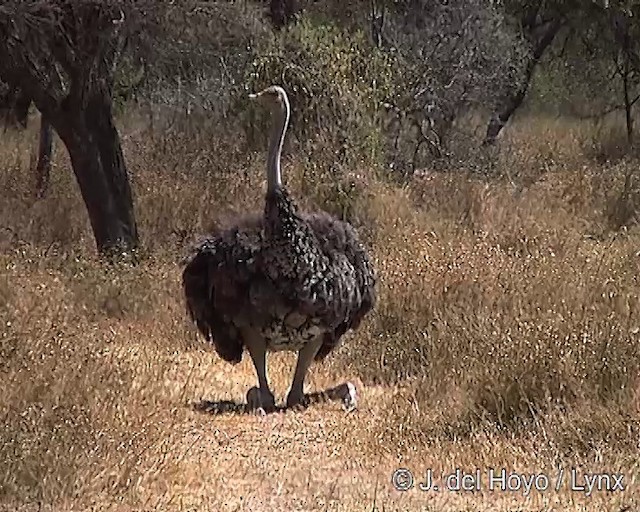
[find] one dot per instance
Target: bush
(336, 82)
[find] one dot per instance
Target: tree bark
(511, 102)
(282, 12)
(43, 167)
(377, 13)
(93, 143)
(509, 105)
(16, 108)
(628, 104)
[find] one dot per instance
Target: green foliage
(336, 82)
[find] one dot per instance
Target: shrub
(336, 81)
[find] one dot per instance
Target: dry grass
(507, 336)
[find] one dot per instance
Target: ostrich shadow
(339, 393)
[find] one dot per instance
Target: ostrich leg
(345, 392)
(305, 357)
(261, 398)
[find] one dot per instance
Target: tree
(43, 165)
(282, 12)
(63, 54)
(626, 59)
(539, 22)
(453, 55)
(15, 105)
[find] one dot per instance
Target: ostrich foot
(297, 398)
(261, 401)
(347, 393)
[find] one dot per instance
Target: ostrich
(282, 280)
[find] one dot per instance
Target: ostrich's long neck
(281, 120)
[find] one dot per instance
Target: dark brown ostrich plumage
(322, 284)
(287, 278)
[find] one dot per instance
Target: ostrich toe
(261, 401)
(296, 398)
(348, 395)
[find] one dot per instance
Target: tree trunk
(377, 13)
(282, 12)
(509, 105)
(628, 104)
(511, 102)
(96, 156)
(16, 108)
(43, 167)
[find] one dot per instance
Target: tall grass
(509, 306)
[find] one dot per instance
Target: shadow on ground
(335, 394)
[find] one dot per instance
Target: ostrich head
(275, 99)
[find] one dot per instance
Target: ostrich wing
(216, 282)
(226, 289)
(353, 269)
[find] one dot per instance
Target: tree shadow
(221, 407)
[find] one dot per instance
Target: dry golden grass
(506, 336)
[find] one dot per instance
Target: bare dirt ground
(318, 459)
(506, 337)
